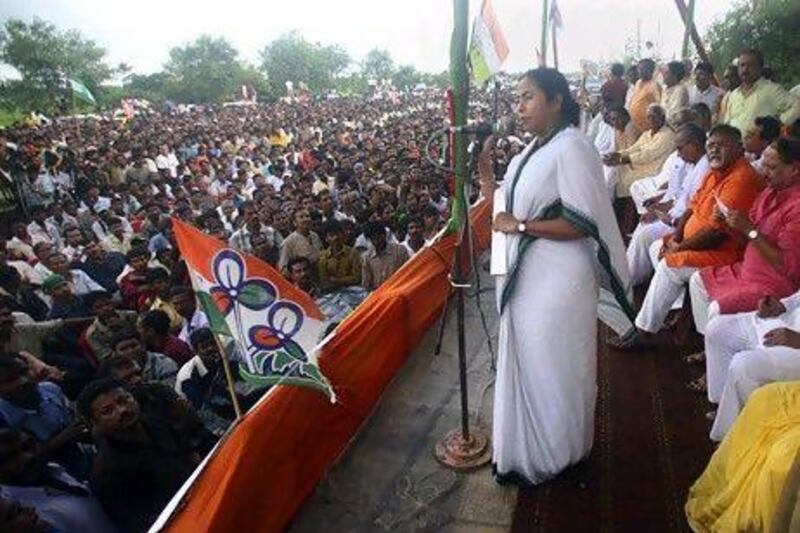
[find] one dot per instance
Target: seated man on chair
(653, 189)
(771, 262)
(647, 154)
(745, 351)
(701, 237)
(661, 216)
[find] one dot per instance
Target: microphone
(500, 128)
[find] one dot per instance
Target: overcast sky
(141, 32)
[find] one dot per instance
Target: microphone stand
(461, 449)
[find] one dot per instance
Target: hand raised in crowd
(770, 307)
(739, 221)
(505, 223)
(782, 337)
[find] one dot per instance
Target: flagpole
(461, 449)
(688, 31)
(545, 13)
(553, 31)
(228, 377)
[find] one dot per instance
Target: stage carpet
(651, 443)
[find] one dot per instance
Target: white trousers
(665, 288)
(702, 308)
(748, 371)
(726, 335)
(644, 189)
(611, 175)
(640, 262)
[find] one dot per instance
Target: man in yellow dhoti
(740, 488)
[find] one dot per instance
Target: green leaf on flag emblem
(256, 296)
(281, 360)
(216, 320)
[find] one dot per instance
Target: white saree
(549, 303)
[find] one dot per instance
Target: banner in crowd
(81, 91)
(271, 326)
(489, 48)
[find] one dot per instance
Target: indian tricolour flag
(488, 49)
(270, 326)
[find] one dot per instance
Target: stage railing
(267, 467)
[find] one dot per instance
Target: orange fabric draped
(274, 459)
(737, 189)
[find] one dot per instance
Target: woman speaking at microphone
(566, 264)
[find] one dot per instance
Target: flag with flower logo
(272, 326)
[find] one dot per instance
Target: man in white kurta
(747, 350)
(685, 176)
(605, 144)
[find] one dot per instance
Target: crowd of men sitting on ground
(706, 185)
(111, 385)
(111, 388)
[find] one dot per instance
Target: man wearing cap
(65, 303)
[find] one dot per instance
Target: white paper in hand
(721, 206)
(499, 262)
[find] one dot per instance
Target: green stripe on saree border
(589, 228)
(550, 212)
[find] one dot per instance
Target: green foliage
(771, 27)
(292, 58)
(153, 87)
(205, 70)
(10, 117)
(406, 77)
(44, 56)
(378, 64)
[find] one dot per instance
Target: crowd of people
(111, 383)
(706, 183)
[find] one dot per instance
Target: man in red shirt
(615, 88)
(154, 328)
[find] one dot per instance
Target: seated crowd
(112, 387)
(706, 185)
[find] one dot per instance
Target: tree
(153, 87)
(770, 26)
(378, 64)
(44, 58)
(292, 58)
(205, 70)
(406, 77)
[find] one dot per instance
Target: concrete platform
(389, 480)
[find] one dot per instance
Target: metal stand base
(464, 455)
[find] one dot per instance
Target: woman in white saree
(566, 266)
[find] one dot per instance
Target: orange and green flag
(271, 327)
(488, 48)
